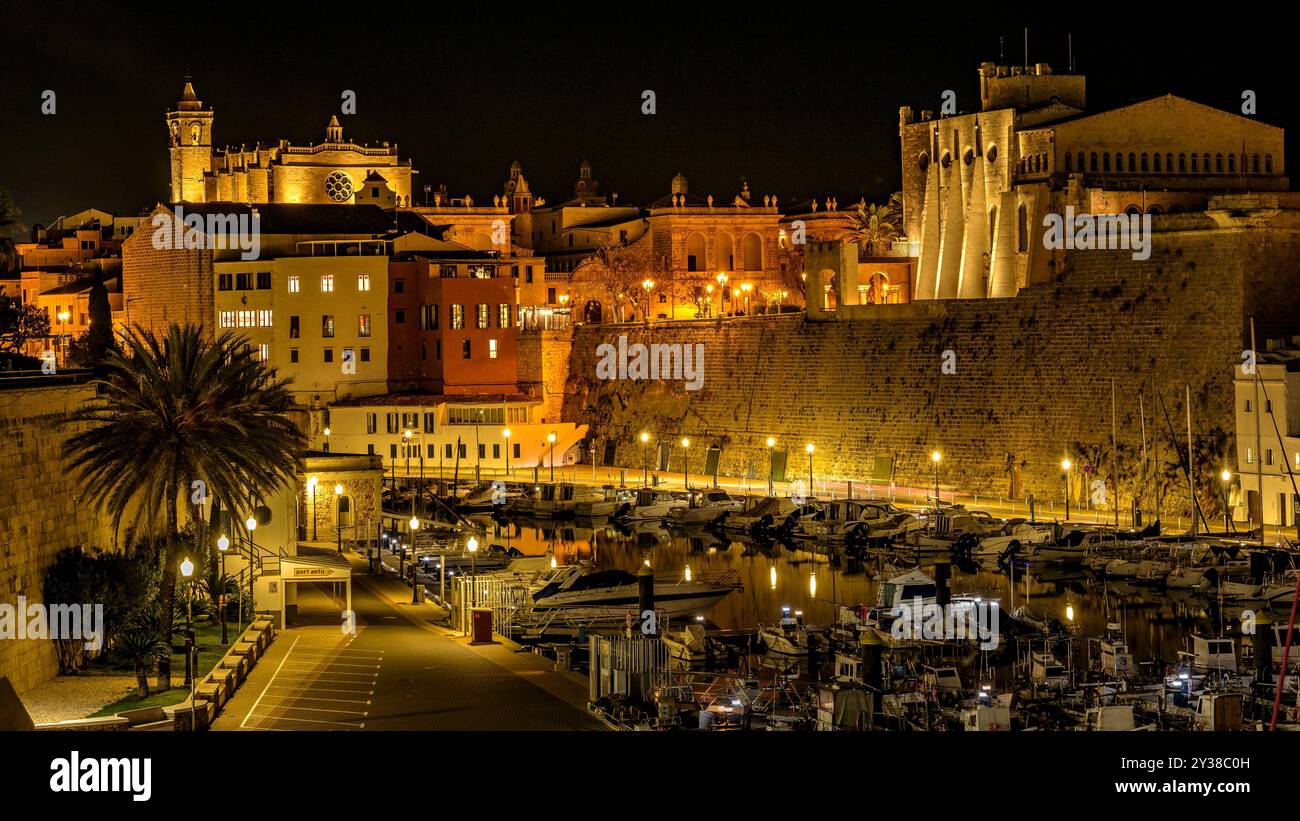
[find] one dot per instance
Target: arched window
(1022, 241)
(1254, 163)
(695, 252)
(1232, 163)
(923, 161)
(1119, 162)
(1132, 162)
(1069, 163)
(1268, 163)
(1194, 169)
(1132, 210)
(752, 250)
(1146, 162)
(1169, 163)
(1105, 162)
(1155, 163)
(1182, 163)
(1155, 209)
(1081, 166)
(724, 254)
(1218, 163)
(1092, 161)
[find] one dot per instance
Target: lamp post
(311, 486)
(771, 468)
(223, 544)
(936, 457)
(1226, 476)
(649, 285)
(745, 288)
(414, 524)
(708, 299)
(645, 459)
(187, 571)
(686, 459)
(808, 448)
(251, 525)
(406, 449)
(506, 434)
(1065, 466)
(327, 439)
(473, 571)
(550, 437)
(338, 515)
(722, 293)
(64, 318)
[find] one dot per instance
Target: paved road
(398, 672)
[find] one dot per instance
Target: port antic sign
(121, 769)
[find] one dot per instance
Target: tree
(621, 271)
(19, 324)
(9, 215)
(141, 644)
(182, 415)
(873, 227)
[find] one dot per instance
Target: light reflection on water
(1154, 622)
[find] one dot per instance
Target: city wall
(1032, 379)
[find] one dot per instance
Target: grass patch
(208, 638)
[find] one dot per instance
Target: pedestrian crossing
(318, 686)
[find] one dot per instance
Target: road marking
(297, 697)
(307, 721)
(273, 675)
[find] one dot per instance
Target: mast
(1114, 470)
(1259, 447)
(1191, 483)
(1142, 412)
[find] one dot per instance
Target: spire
(189, 100)
(333, 131)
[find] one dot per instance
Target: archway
(752, 250)
(591, 312)
(724, 254)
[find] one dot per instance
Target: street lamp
(251, 524)
(771, 467)
(223, 544)
(473, 552)
(722, 292)
(686, 458)
(311, 486)
(645, 459)
(550, 437)
(936, 457)
(745, 288)
(649, 285)
(187, 571)
(1226, 476)
(327, 439)
(506, 434)
(1065, 466)
(809, 449)
(338, 514)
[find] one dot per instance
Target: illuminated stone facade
(333, 171)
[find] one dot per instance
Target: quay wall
(1032, 381)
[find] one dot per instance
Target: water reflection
(777, 575)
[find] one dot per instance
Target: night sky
(802, 100)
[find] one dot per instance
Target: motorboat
(1011, 538)
(703, 507)
(688, 645)
(764, 514)
(1046, 671)
(614, 592)
(563, 499)
(648, 504)
(784, 640)
(861, 522)
(494, 496)
(595, 503)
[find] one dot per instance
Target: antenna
(1026, 49)
(1069, 40)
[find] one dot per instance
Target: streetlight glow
(414, 523)
(936, 457)
(187, 568)
(472, 545)
(1065, 464)
(1226, 475)
(809, 447)
(645, 437)
(223, 544)
(686, 443)
(250, 523)
(338, 489)
(771, 442)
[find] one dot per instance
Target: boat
(784, 640)
(564, 499)
(596, 503)
(1013, 536)
(703, 507)
(859, 522)
(688, 645)
(614, 592)
(487, 497)
(772, 512)
(648, 504)
(1046, 671)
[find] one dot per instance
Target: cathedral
(334, 171)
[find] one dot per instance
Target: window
(372, 422)
(224, 282)
(456, 313)
(1268, 456)
(1247, 406)
(294, 283)
(392, 451)
(263, 352)
(492, 349)
(437, 349)
(503, 315)
(1268, 406)
(482, 450)
(327, 283)
(399, 286)
(462, 449)
(370, 448)
(431, 451)
(226, 319)
(365, 354)
(328, 355)
(293, 356)
(363, 282)
(429, 317)
(293, 327)
(363, 324)
(264, 319)
(263, 280)
(246, 319)
(1250, 456)
(481, 315)
(447, 450)
(464, 349)
(550, 296)
(528, 273)
(399, 316)
(390, 422)
(349, 355)
(243, 282)
(327, 326)
(516, 446)
(496, 450)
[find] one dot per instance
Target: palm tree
(179, 417)
(141, 644)
(874, 226)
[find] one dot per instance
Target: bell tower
(189, 139)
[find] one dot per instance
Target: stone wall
(41, 513)
(1033, 373)
(544, 369)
